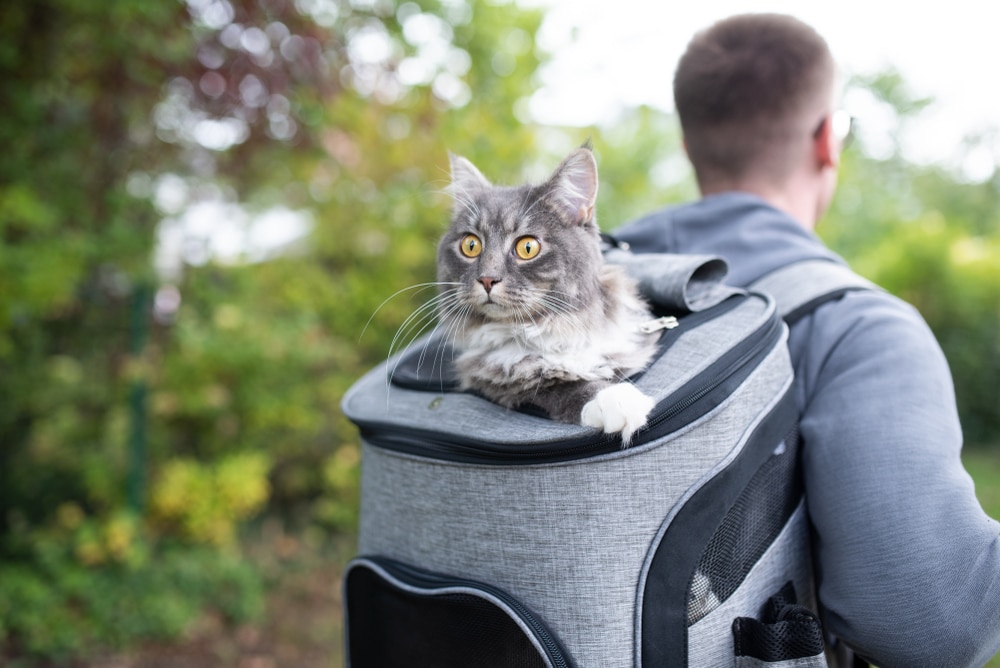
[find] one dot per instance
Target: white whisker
(418, 287)
(420, 319)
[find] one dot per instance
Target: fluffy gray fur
(559, 329)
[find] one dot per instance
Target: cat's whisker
(464, 198)
(444, 317)
(452, 318)
(417, 321)
(456, 324)
(533, 205)
(566, 312)
(521, 212)
(419, 287)
(519, 314)
(421, 318)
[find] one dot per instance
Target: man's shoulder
(864, 323)
(648, 233)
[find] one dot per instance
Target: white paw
(617, 408)
(701, 599)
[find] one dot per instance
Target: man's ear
(825, 146)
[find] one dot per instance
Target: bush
(57, 608)
(953, 278)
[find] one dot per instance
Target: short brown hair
(742, 90)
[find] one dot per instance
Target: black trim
(751, 526)
(803, 310)
(672, 568)
(430, 623)
(696, 398)
(426, 367)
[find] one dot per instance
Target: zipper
(737, 359)
(430, 582)
(659, 324)
(696, 398)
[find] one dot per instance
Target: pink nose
(488, 282)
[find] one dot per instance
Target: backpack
(498, 537)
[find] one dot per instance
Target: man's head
(754, 93)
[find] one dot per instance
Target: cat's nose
(488, 282)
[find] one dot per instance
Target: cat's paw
(619, 408)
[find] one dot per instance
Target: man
(907, 562)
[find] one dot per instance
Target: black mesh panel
(748, 529)
(389, 627)
(785, 631)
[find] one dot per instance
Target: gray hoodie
(908, 563)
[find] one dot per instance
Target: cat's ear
(573, 186)
(465, 178)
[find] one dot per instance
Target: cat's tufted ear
(465, 178)
(573, 186)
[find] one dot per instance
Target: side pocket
(400, 615)
(787, 635)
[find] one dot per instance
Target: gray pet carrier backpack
(497, 537)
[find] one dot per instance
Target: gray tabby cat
(536, 315)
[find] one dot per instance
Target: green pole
(138, 333)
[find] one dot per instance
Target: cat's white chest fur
(559, 344)
(536, 315)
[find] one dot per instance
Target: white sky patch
(613, 55)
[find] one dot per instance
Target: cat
(533, 312)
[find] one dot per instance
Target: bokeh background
(203, 203)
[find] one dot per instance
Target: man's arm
(908, 562)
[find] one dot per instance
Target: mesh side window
(748, 529)
(389, 627)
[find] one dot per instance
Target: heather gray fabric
(802, 282)
(685, 282)
(908, 562)
(786, 559)
(570, 540)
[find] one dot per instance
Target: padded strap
(801, 287)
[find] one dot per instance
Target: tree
(119, 119)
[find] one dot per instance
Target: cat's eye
(471, 246)
(527, 247)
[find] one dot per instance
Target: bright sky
(614, 53)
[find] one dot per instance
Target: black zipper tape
(434, 584)
(691, 401)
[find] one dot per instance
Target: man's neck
(794, 199)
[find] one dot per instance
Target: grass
(983, 465)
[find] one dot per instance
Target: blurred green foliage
(221, 399)
(134, 355)
(932, 237)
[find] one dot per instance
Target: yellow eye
(471, 246)
(527, 247)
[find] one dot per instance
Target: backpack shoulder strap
(800, 287)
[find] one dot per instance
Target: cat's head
(517, 254)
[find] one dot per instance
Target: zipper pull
(666, 322)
